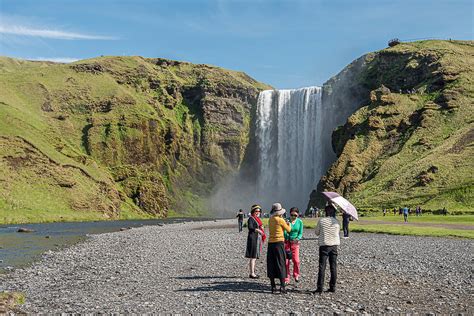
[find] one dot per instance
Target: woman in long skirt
(254, 239)
(276, 258)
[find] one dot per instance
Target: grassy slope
(33, 194)
(399, 136)
(57, 168)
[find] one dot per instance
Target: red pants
(294, 246)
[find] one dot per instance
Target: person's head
(277, 210)
(256, 209)
(294, 213)
(330, 210)
(241, 211)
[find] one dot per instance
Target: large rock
(415, 106)
(120, 135)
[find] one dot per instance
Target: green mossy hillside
(117, 137)
(412, 141)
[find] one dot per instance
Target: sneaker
(254, 276)
(297, 280)
(332, 290)
(318, 291)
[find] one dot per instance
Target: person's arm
(318, 228)
(300, 230)
(285, 225)
(252, 224)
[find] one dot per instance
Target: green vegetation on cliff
(412, 141)
(117, 137)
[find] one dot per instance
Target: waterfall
(289, 144)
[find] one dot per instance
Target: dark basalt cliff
(118, 136)
(411, 140)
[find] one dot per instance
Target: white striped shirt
(328, 231)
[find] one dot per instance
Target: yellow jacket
(276, 225)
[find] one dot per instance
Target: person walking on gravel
(254, 239)
(327, 231)
(276, 257)
(240, 219)
(292, 244)
(345, 224)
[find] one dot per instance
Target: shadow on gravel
(198, 277)
(231, 286)
(240, 286)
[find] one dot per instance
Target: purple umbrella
(344, 204)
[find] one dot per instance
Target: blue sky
(287, 44)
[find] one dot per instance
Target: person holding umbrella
(327, 231)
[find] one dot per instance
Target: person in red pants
(292, 244)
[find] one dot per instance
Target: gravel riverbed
(199, 267)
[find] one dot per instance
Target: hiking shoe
(318, 291)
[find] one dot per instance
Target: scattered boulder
(25, 230)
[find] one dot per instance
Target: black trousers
(345, 226)
(324, 253)
(241, 224)
(276, 260)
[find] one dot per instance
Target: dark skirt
(253, 247)
(276, 260)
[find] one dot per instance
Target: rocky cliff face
(411, 140)
(119, 135)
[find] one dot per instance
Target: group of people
(405, 211)
(284, 245)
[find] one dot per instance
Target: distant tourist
(240, 219)
(276, 258)
(316, 212)
(394, 211)
(345, 224)
(328, 231)
(418, 211)
(405, 213)
(292, 244)
(445, 211)
(384, 211)
(255, 239)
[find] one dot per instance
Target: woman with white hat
(276, 257)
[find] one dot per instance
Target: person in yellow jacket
(276, 257)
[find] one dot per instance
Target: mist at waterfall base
(290, 153)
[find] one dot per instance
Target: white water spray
(290, 146)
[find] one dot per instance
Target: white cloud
(54, 59)
(49, 33)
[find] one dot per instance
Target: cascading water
(290, 146)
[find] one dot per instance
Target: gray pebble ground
(200, 268)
